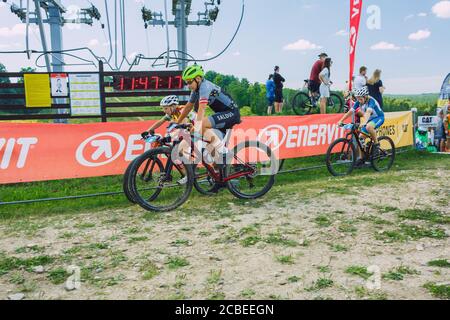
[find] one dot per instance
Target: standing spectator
(440, 132)
(278, 79)
(376, 88)
(270, 94)
(324, 77)
(361, 79)
(314, 81)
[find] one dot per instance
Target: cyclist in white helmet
(172, 109)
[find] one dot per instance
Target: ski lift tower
(181, 9)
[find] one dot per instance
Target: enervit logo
(22, 145)
(103, 144)
(292, 137)
(274, 136)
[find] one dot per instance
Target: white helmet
(362, 92)
(169, 101)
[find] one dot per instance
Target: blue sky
(411, 46)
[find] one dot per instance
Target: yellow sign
(399, 127)
(37, 91)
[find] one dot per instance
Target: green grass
(280, 240)
(438, 291)
(338, 248)
(285, 259)
(317, 179)
(250, 241)
(149, 270)
(425, 215)
(323, 221)
(398, 274)
(247, 293)
(359, 271)
(320, 284)
(441, 263)
(58, 276)
(176, 262)
(293, 279)
(214, 277)
(8, 264)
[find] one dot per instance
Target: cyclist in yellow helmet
(206, 94)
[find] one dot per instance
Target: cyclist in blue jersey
(368, 108)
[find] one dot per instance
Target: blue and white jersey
(377, 112)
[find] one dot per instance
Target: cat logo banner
(39, 151)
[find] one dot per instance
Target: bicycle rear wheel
(383, 160)
(335, 104)
(164, 191)
(341, 157)
(301, 104)
(251, 168)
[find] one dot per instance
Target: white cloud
(383, 45)
(301, 45)
(342, 33)
(236, 54)
(442, 9)
(422, 14)
(93, 43)
(410, 16)
(420, 35)
(17, 30)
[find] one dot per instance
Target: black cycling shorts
(279, 95)
(313, 86)
(225, 120)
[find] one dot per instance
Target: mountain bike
(153, 180)
(304, 102)
(342, 154)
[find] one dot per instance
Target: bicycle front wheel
(341, 157)
(383, 159)
(301, 104)
(127, 188)
(250, 170)
(203, 182)
(157, 183)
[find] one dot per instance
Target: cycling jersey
(377, 112)
(212, 95)
(175, 116)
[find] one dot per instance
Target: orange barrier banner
(39, 152)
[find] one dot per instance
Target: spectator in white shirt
(361, 79)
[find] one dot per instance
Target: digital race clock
(149, 81)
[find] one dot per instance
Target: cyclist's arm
(157, 125)
(203, 104)
(346, 116)
(185, 112)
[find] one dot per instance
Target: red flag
(355, 18)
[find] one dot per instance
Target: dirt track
(293, 247)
